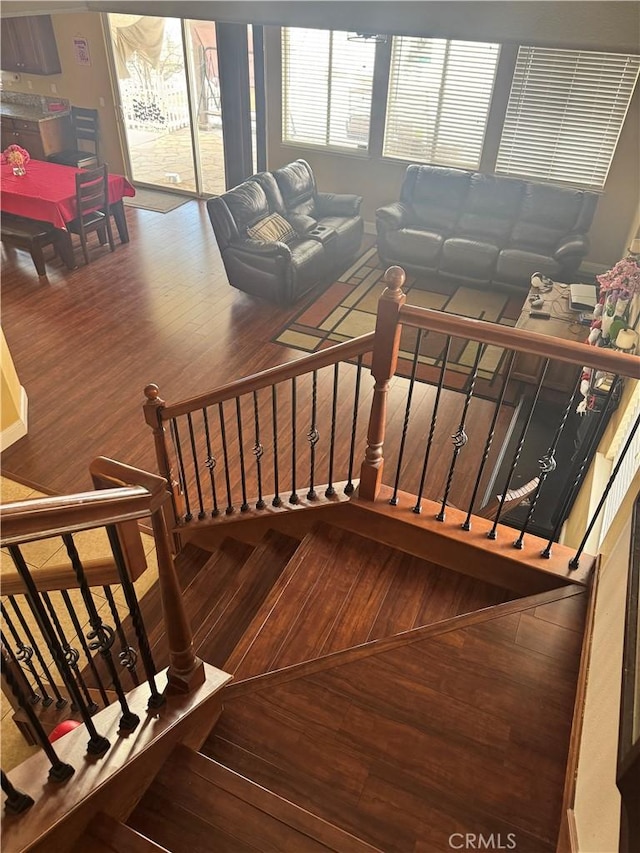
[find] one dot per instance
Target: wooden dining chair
(85, 130)
(92, 200)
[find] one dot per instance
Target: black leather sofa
(279, 237)
(485, 230)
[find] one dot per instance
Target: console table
(563, 323)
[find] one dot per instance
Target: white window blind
(565, 113)
(438, 101)
(326, 88)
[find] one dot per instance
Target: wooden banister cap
(152, 393)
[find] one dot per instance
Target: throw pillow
(271, 229)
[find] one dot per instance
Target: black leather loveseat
(279, 237)
(485, 229)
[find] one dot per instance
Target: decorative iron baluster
(101, 636)
(59, 771)
(196, 467)
(574, 563)
(293, 499)
(60, 700)
(85, 647)
(243, 479)
(407, 414)
(348, 489)
(277, 500)
(466, 524)
(72, 655)
(223, 435)
(24, 656)
(492, 534)
(258, 450)
(156, 699)
(313, 436)
(330, 491)
(434, 416)
(182, 477)
(127, 656)
(460, 437)
(547, 464)
(17, 801)
(210, 463)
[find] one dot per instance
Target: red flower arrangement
(16, 156)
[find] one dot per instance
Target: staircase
(380, 702)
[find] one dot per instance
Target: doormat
(347, 308)
(155, 200)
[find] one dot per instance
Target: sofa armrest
(571, 246)
(261, 250)
(392, 217)
(338, 204)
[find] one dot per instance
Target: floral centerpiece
(17, 157)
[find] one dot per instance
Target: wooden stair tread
(340, 590)
(108, 835)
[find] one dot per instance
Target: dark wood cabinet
(29, 45)
(40, 138)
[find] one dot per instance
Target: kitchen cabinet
(40, 138)
(29, 46)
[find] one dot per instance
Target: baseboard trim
(18, 428)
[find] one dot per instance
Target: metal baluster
(547, 464)
(330, 491)
(492, 534)
(313, 436)
(181, 469)
(460, 437)
(348, 489)
(574, 563)
(98, 744)
(586, 456)
(192, 441)
(418, 507)
(258, 451)
(85, 647)
(72, 655)
(407, 414)
(294, 499)
(156, 699)
(127, 656)
(223, 436)
(17, 801)
(210, 462)
(466, 524)
(243, 480)
(24, 656)
(59, 771)
(277, 500)
(101, 635)
(60, 700)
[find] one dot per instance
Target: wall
(13, 400)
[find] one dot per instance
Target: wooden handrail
(107, 473)
(57, 576)
(599, 358)
(267, 378)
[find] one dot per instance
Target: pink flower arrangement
(623, 277)
(16, 156)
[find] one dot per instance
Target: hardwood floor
(159, 309)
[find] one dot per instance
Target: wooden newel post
(152, 408)
(383, 367)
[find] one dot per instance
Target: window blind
(565, 113)
(438, 101)
(327, 82)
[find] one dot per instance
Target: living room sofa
(485, 230)
(279, 237)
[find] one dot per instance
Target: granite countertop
(28, 113)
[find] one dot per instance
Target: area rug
(155, 200)
(347, 308)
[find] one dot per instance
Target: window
(326, 88)
(438, 101)
(565, 113)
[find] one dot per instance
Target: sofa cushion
(516, 265)
(348, 233)
(547, 214)
(416, 247)
(247, 204)
(490, 209)
(297, 187)
(435, 196)
(468, 258)
(272, 229)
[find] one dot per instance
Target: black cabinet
(29, 45)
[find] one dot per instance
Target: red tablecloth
(48, 191)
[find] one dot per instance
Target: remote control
(539, 315)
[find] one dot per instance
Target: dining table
(47, 192)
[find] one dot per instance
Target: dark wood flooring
(159, 309)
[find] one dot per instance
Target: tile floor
(90, 544)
